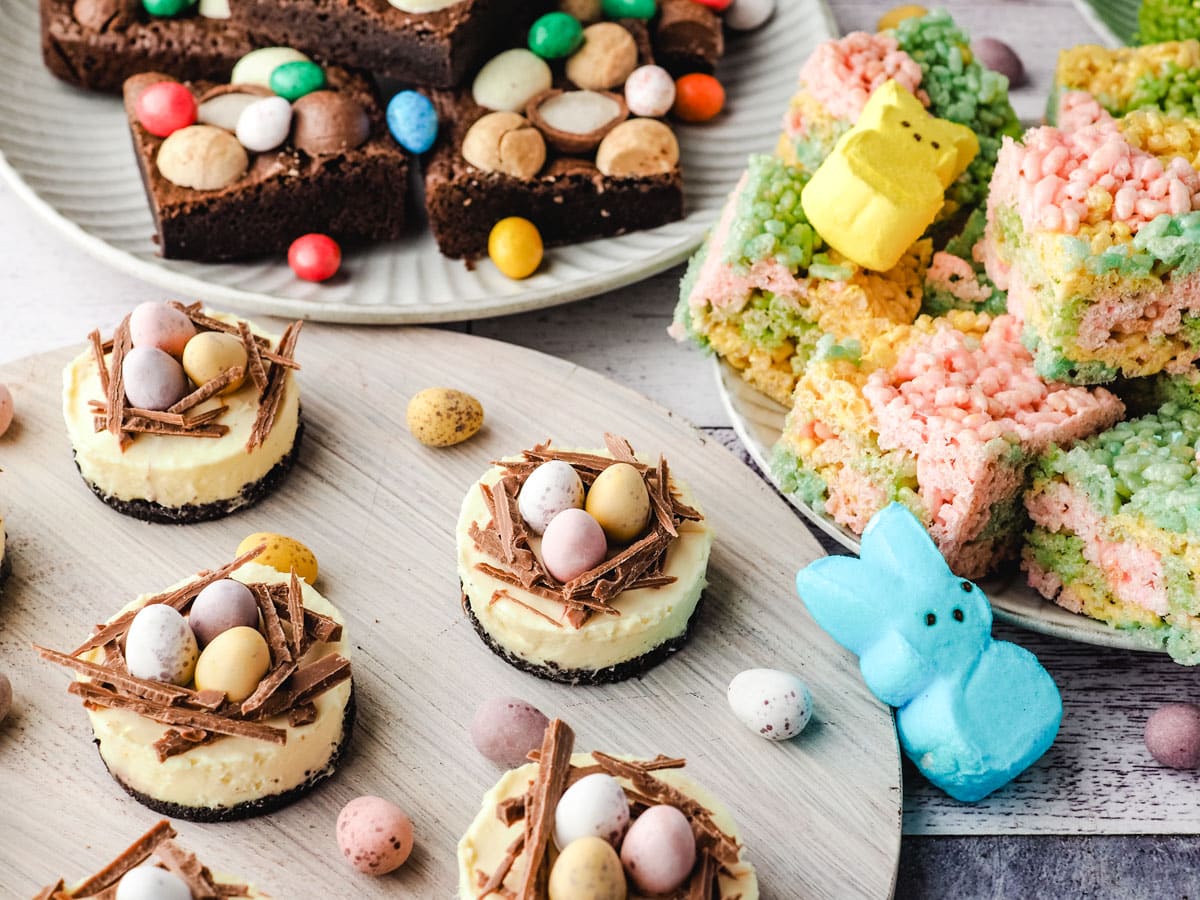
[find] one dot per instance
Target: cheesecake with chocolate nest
(582, 567)
(219, 437)
(193, 751)
(512, 848)
(172, 867)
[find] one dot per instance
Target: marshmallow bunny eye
(958, 614)
(966, 586)
(930, 619)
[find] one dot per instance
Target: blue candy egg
(413, 121)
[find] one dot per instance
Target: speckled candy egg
(234, 663)
(375, 836)
(160, 645)
(588, 869)
(594, 806)
(659, 850)
(443, 417)
(153, 378)
(210, 353)
(6, 408)
(159, 325)
(222, 605)
(149, 882)
(650, 91)
(776, 705)
(6, 696)
(1173, 735)
(550, 488)
(573, 543)
(282, 554)
(618, 500)
(505, 729)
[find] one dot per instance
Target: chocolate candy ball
(328, 122)
(555, 35)
(153, 378)
(165, 107)
(6, 408)
(5, 696)
(159, 325)
(1000, 57)
(222, 605)
(413, 121)
(1173, 735)
(505, 729)
(375, 836)
(292, 80)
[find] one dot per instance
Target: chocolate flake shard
(317, 627)
(159, 692)
(267, 687)
(210, 388)
(187, 867)
(133, 856)
(494, 884)
(258, 372)
(116, 382)
(98, 355)
(272, 394)
(548, 787)
(295, 601)
(505, 595)
(277, 641)
(302, 715)
(208, 323)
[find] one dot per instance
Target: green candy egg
(292, 80)
(630, 9)
(166, 9)
(555, 35)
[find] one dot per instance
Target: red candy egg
(314, 257)
(715, 5)
(698, 97)
(165, 107)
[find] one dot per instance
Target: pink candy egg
(505, 729)
(659, 850)
(158, 325)
(375, 836)
(573, 543)
(153, 378)
(1173, 735)
(6, 408)
(222, 605)
(650, 91)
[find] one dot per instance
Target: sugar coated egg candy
(698, 97)
(594, 806)
(160, 645)
(222, 605)
(160, 325)
(573, 543)
(153, 378)
(555, 35)
(659, 850)
(550, 488)
(587, 869)
(282, 554)
(234, 663)
(443, 417)
(505, 729)
(257, 65)
(165, 107)
(650, 91)
(619, 501)
(315, 257)
(149, 882)
(264, 124)
(747, 15)
(515, 246)
(1173, 735)
(211, 354)
(413, 121)
(292, 80)
(375, 836)
(773, 704)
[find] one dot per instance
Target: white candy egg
(160, 645)
(264, 125)
(650, 91)
(152, 883)
(774, 704)
(550, 488)
(746, 15)
(594, 806)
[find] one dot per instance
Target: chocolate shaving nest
(157, 842)
(199, 717)
(266, 369)
(638, 566)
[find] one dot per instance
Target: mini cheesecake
(194, 754)
(488, 867)
(216, 449)
(156, 849)
(625, 614)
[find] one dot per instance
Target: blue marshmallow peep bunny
(972, 712)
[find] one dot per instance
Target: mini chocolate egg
(210, 353)
(234, 663)
(1173, 735)
(149, 882)
(375, 836)
(159, 325)
(222, 605)
(505, 729)
(619, 501)
(265, 124)
(550, 488)
(650, 91)
(6, 408)
(573, 543)
(773, 704)
(659, 850)
(160, 646)
(443, 417)
(327, 122)
(6, 696)
(587, 869)
(282, 554)
(594, 806)
(153, 378)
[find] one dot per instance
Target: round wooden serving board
(820, 815)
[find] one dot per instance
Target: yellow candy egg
(443, 417)
(210, 353)
(282, 553)
(587, 869)
(515, 246)
(898, 14)
(619, 502)
(234, 663)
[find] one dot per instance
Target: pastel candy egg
(505, 729)
(160, 646)
(413, 121)
(234, 663)
(159, 325)
(222, 605)
(6, 696)
(509, 81)
(165, 107)
(594, 806)
(257, 65)
(515, 247)
(555, 35)
(618, 500)
(776, 705)
(292, 80)
(375, 836)
(201, 157)
(1000, 57)
(6, 408)
(659, 850)
(550, 488)
(265, 124)
(747, 15)
(282, 554)
(573, 543)
(1173, 735)
(153, 378)
(211, 353)
(650, 91)
(443, 417)
(587, 869)
(149, 882)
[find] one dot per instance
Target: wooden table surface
(1096, 817)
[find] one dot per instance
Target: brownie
(97, 44)
(354, 195)
(438, 49)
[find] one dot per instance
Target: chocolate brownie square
(354, 192)
(97, 44)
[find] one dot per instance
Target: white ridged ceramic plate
(758, 421)
(67, 153)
